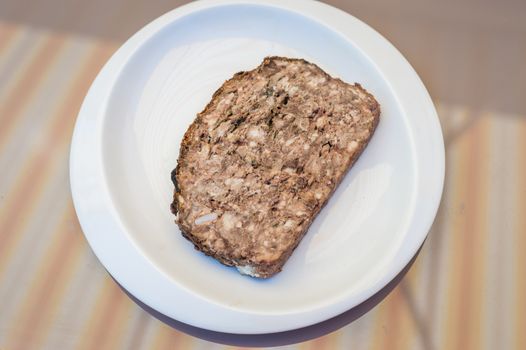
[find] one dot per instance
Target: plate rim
(86, 158)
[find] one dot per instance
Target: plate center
(172, 77)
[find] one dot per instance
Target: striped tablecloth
(466, 290)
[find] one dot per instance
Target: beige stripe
(28, 84)
(22, 202)
(510, 178)
(117, 329)
(29, 134)
(428, 288)
(48, 287)
(18, 57)
(205, 345)
(233, 348)
(150, 331)
(357, 334)
(324, 342)
(40, 166)
(337, 338)
(380, 328)
(420, 330)
(377, 324)
(498, 330)
(137, 331)
(162, 337)
(412, 322)
(168, 338)
(520, 244)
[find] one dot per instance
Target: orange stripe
(381, 323)
(28, 84)
(168, 338)
(468, 255)
(475, 241)
(301, 346)
(328, 342)
(520, 244)
(7, 34)
(23, 198)
(392, 324)
(412, 278)
(395, 314)
(105, 332)
(121, 324)
(97, 330)
(39, 306)
(465, 307)
(162, 338)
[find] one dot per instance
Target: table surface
(466, 289)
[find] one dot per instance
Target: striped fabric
(466, 290)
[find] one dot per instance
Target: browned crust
(263, 270)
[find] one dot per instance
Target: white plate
(127, 138)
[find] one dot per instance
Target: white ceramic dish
(127, 138)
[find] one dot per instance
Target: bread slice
(258, 164)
